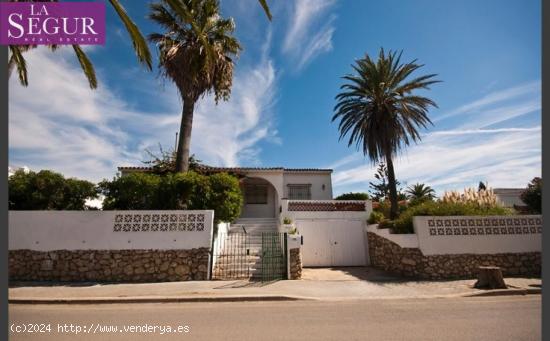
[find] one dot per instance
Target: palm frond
(264, 5)
(87, 66)
(17, 60)
(138, 41)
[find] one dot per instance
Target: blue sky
(487, 126)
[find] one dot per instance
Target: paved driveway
(353, 273)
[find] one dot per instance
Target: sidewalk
(317, 284)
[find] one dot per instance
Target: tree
(532, 195)
(381, 189)
(171, 191)
(196, 52)
(379, 111)
(165, 162)
(47, 190)
(419, 193)
(353, 196)
(482, 186)
(16, 59)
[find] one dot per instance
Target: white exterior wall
(317, 180)
(331, 238)
(509, 199)
(95, 230)
(523, 234)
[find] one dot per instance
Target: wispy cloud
(483, 131)
(59, 123)
(307, 35)
(503, 157)
(531, 88)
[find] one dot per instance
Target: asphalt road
(489, 318)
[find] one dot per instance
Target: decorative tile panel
(483, 226)
(138, 222)
(326, 206)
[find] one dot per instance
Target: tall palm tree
(379, 111)
(16, 59)
(195, 52)
(420, 191)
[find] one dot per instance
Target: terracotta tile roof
(234, 169)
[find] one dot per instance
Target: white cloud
(503, 157)
(531, 88)
(59, 123)
(483, 131)
(306, 37)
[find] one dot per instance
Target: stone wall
(295, 264)
(109, 265)
(410, 262)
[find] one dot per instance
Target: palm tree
(420, 191)
(379, 112)
(195, 52)
(16, 59)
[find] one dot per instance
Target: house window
(299, 192)
(256, 194)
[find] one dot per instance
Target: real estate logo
(44, 23)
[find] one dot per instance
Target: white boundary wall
(478, 234)
(110, 230)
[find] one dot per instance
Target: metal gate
(255, 256)
(273, 256)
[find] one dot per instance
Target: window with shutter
(299, 192)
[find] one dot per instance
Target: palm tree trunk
(393, 188)
(184, 141)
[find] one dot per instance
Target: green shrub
(404, 224)
(532, 195)
(175, 191)
(353, 196)
(48, 190)
(375, 217)
(386, 224)
(384, 207)
(226, 198)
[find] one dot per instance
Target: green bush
(384, 207)
(386, 224)
(532, 195)
(226, 198)
(353, 196)
(48, 190)
(175, 191)
(404, 224)
(375, 217)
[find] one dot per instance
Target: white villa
(334, 230)
(265, 188)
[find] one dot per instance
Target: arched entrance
(260, 198)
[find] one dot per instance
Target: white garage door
(335, 242)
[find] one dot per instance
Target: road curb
(506, 292)
(115, 300)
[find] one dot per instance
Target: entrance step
(251, 225)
